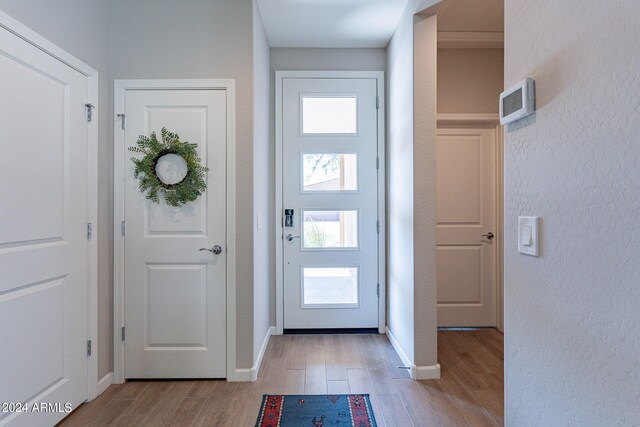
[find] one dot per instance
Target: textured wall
(262, 204)
(81, 27)
(470, 80)
(572, 322)
(201, 39)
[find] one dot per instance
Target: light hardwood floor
(470, 392)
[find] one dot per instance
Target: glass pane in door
(326, 229)
(329, 172)
(330, 286)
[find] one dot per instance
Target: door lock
(216, 249)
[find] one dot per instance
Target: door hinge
(378, 290)
(89, 230)
(377, 102)
(378, 226)
(123, 122)
(88, 348)
(377, 162)
(122, 334)
(89, 108)
(123, 228)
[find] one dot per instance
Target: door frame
(119, 89)
(25, 33)
(278, 223)
(489, 121)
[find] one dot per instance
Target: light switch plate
(528, 238)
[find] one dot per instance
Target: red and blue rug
(311, 410)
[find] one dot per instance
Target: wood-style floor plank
(315, 381)
(470, 392)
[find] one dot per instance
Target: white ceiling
(330, 23)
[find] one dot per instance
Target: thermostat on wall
(517, 102)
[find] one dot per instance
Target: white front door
(175, 293)
(466, 214)
(330, 188)
(43, 234)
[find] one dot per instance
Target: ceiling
(331, 23)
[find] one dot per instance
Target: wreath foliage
(192, 185)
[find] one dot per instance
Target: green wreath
(188, 189)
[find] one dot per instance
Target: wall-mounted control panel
(528, 238)
(518, 101)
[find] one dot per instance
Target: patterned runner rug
(316, 410)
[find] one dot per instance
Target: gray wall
(82, 28)
(572, 324)
(262, 203)
(201, 39)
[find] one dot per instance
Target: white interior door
(175, 294)
(43, 240)
(466, 214)
(330, 184)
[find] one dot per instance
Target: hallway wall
(572, 324)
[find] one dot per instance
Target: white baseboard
(250, 375)
(429, 372)
(105, 382)
(256, 367)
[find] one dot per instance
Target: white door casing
(175, 295)
(466, 210)
(336, 213)
(46, 258)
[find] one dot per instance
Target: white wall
(262, 165)
(470, 80)
(411, 285)
(81, 27)
(400, 261)
(572, 323)
(201, 39)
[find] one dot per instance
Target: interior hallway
(470, 392)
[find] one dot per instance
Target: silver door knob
(290, 237)
(489, 235)
(216, 249)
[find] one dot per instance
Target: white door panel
(175, 294)
(466, 200)
(330, 140)
(43, 242)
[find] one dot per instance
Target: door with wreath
(173, 162)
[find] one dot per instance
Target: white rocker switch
(528, 235)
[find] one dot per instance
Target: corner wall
(411, 130)
(262, 203)
(572, 324)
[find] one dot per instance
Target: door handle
(489, 235)
(216, 249)
(290, 237)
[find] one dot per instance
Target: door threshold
(341, 331)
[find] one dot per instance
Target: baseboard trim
(104, 383)
(255, 370)
(427, 372)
